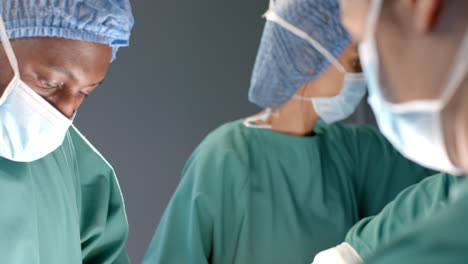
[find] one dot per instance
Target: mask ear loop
(250, 122)
(303, 98)
(271, 5)
(8, 49)
(11, 59)
(272, 16)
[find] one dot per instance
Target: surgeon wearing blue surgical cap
(60, 200)
(280, 186)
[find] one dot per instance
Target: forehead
(62, 49)
(86, 59)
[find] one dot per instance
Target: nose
(67, 103)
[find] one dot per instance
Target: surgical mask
(414, 128)
(341, 106)
(30, 127)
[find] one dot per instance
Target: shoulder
(223, 157)
(229, 140)
(96, 176)
(349, 131)
(227, 136)
(357, 137)
(436, 239)
(94, 171)
(89, 159)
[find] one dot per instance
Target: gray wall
(187, 72)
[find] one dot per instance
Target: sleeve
(440, 238)
(382, 172)
(185, 230)
(104, 226)
(199, 211)
(412, 205)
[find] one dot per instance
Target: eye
(85, 93)
(51, 85)
(357, 65)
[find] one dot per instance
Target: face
(64, 72)
(298, 117)
(417, 43)
(411, 42)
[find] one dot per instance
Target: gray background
(186, 72)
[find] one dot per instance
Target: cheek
(328, 87)
(338, 86)
(6, 75)
(335, 83)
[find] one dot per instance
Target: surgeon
(60, 200)
(282, 185)
(421, 44)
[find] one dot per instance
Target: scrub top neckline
(318, 129)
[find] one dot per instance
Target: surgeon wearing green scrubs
(282, 185)
(60, 200)
(422, 44)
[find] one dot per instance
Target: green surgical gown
(257, 196)
(408, 209)
(440, 238)
(66, 208)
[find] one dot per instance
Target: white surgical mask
(30, 127)
(414, 128)
(341, 106)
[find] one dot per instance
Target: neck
(295, 118)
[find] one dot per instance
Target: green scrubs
(408, 209)
(257, 196)
(64, 208)
(441, 238)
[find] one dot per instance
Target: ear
(425, 13)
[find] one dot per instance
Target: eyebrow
(98, 83)
(70, 75)
(63, 70)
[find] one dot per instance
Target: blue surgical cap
(285, 61)
(102, 21)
